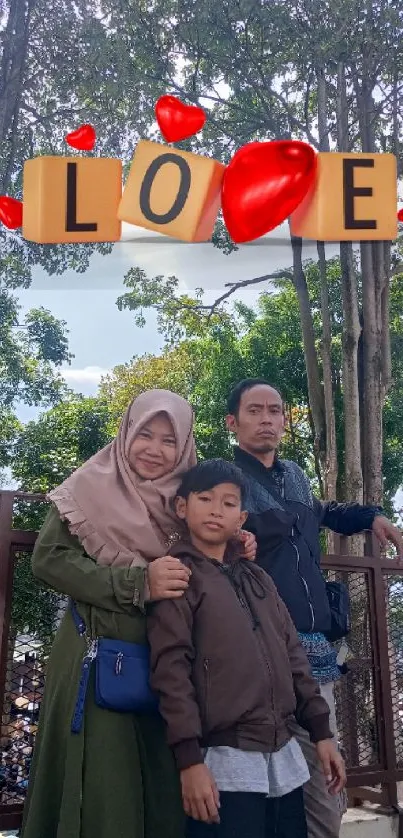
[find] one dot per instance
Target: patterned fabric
(322, 657)
(288, 479)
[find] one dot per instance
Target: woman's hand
(249, 544)
(168, 578)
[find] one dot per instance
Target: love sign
(327, 196)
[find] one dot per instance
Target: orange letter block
(354, 199)
(174, 192)
(71, 200)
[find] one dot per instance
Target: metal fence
(369, 697)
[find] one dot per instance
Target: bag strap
(78, 621)
(89, 657)
(274, 492)
(268, 484)
(276, 495)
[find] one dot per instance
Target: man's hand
(200, 796)
(386, 532)
(249, 545)
(332, 765)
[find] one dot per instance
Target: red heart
(10, 212)
(263, 184)
(400, 215)
(83, 138)
(176, 120)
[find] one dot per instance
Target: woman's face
(153, 451)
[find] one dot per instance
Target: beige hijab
(118, 517)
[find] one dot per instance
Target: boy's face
(213, 516)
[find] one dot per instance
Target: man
(292, 555)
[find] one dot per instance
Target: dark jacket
(227, 663)
(286, 520)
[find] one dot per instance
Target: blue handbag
(122, 672)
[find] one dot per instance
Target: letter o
(183, 191)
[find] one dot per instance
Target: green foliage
(30, 353)
(178, 316)
(10, 427)
(48, 450)
(176, 369)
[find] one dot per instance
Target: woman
(108, 521)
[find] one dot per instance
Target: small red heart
(10, 212)
(263, 184)
(83, 138)
(400, 215)
(176, 120)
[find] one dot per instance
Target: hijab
(119, 518)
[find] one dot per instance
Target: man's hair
(234, 398)
(211, 473)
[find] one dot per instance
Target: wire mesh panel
(394, 610)
(355, 692)
(35, 614)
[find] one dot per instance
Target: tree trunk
(372, 394)
(387, 254)
(382, 259)
(318, 470)
(331, 464)
(353, 480)
(13, 64)
(373, 288)
(315, 390)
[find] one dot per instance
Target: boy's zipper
(206, 668)
(256, 633)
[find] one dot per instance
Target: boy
(230, 672)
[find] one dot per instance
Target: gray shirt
(274, 774)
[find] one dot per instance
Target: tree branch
(235, 286)
(232, 288)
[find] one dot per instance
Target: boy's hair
(210, 473)
(234, 398)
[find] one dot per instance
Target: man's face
(259, 425)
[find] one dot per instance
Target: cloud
(88, 377)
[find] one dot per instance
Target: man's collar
(243, 458)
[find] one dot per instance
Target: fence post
(380, 639)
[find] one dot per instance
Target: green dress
(117, 777)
